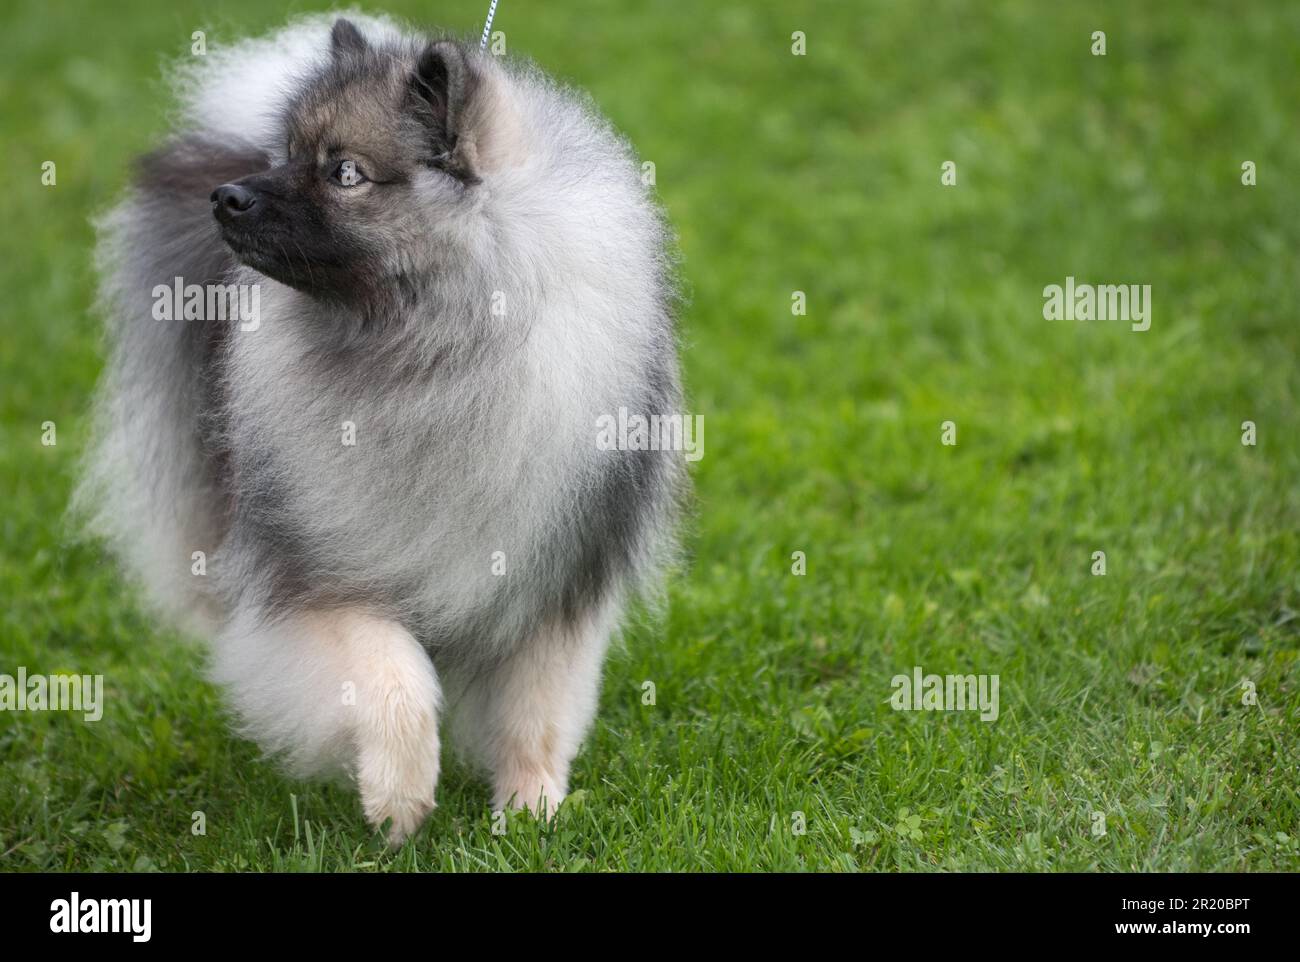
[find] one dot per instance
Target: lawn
(1148, 716)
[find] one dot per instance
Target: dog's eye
(348, 174)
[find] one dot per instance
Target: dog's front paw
(397, 771)
(394, 724)
(403, 800)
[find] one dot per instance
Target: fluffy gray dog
(384, 495)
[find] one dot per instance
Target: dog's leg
(342, 687)
(396, 725)
(525, 717)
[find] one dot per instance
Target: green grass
(1119, 694)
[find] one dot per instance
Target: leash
(487, 27)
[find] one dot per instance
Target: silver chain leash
(487, 27)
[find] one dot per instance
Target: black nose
(231, 200)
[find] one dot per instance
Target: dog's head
(382, 143)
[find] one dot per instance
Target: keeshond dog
(383, 501)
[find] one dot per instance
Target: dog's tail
(151, 483)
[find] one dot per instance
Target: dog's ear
(346, 39)
(443, 89)
(468, 107)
